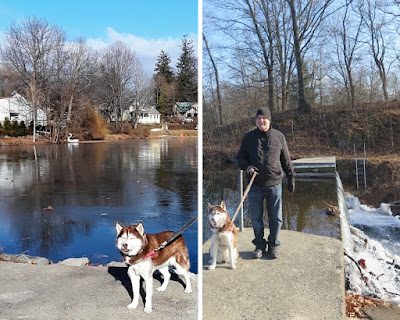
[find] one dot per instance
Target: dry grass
(184, 132)
(22, 141)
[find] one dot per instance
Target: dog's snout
(124, 245)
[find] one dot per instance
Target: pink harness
(151, 254)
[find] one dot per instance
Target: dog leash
(245, 194)
(152, 254)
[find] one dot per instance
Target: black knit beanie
(264, 111)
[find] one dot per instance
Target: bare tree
(262, 27)
(117, 68)
(216, 80)
(79, 69)
(306, 19)
(29, 51)
(376, 23)
(143, 89)
(347, 32)
(284, 48)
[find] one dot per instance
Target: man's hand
(291, 184)
(252, 170)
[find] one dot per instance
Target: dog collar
(152, 254)
(215, 230)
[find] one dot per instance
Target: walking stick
(245, 194)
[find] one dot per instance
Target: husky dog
(137, 248)
(224, 235)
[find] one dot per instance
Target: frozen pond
(91, 186)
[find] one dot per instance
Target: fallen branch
(358, 266)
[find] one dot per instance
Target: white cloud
(146, 50)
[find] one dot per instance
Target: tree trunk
(303, 105)
(216, 80)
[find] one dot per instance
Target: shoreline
(22, 258)
(28, 140)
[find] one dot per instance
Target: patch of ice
(380, 276)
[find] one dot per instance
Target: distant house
(185, 109)
(18, 108)
(149, 115)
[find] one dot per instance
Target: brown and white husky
(137, 248)
(224, 236)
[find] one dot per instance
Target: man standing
(264, 152)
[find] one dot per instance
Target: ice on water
(379, 250)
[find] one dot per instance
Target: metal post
(240, 180)
(355, 157)
(365, 169)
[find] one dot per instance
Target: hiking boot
(273, 252)
(257, 254)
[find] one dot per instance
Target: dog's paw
(161, 289)
(188, 290)
(211, 267)
(147, 310)
(132, 305)
(233, 266)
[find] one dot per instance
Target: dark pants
(273, 196)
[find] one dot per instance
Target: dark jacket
(268, 151)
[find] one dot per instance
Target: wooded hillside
(329, 132)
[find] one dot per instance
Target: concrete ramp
(306, 282)
(63, 292)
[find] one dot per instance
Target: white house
(18, 108)
(149, 115)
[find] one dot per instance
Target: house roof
(184, 106)
(13, 103)
(150, 110)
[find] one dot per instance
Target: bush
(22, 129)
(13, 129)
(126, 128)
(141, 131)
(95, 124)
(7, 126)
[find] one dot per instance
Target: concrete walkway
(306, 282)
(62, 292)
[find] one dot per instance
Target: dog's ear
(140, 228)
(118, 227)
(222, 205)
(209, 206)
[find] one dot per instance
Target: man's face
(262, 123)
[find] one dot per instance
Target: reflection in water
(90, 187)
(304, 211)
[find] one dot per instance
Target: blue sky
(147, 26)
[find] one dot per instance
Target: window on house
(14, 116)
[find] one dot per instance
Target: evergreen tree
(22, 130)
(163, 67)
(7, 126)
(14, 128)
(187, 73)
(164, 80)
